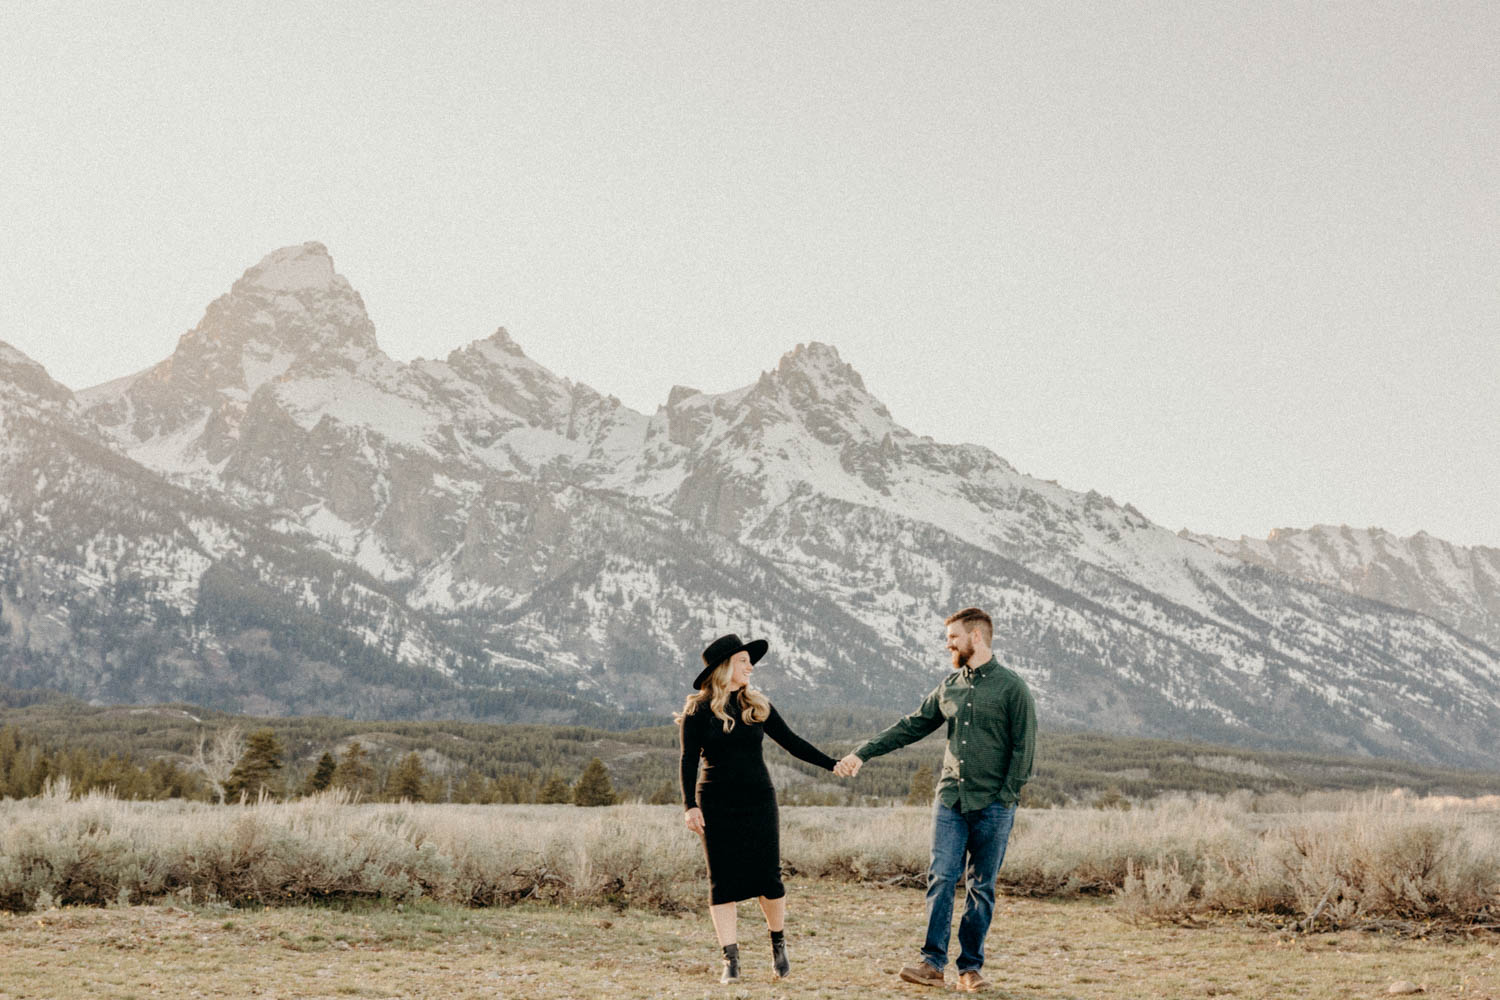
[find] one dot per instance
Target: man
(991, 740)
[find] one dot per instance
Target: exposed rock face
(301, 523)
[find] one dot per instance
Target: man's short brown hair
(972, 618)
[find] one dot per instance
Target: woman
(732, 804)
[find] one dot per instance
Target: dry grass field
(1328, 895)
(1324, 861)
(846, 941)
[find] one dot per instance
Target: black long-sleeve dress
(741, 824)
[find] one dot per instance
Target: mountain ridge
(523, 536)
(1455, 584)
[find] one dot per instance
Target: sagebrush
(1325, 860)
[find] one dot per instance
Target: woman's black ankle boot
(779, 963)
(731, 964)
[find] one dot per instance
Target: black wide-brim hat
(723, 648)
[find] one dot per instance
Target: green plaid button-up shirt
(991, 735)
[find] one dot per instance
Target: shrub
(922, 785)
(593, 787)
(1320, 864)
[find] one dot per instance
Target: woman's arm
(692, 748)
(778, 730)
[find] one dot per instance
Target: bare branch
(217, 762)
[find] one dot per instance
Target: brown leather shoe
(922, 974)
(972, 981)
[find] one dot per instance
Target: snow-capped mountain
(118, 584)
(481, 532)
(1457, 585)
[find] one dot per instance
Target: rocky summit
(279, 518)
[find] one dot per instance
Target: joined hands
(848, 767)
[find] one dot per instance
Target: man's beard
(961, 657)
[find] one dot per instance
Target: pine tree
(554, 790)
(921, 787)
(322, 775)
(258, 770)
(354, 771)
(512, 788)
(594, 788)
(10, 754)
(474, 787)
(406, 779)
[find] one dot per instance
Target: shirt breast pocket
(992, 711)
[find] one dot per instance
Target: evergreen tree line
(26, 769)
(259, 772)
(230, 769)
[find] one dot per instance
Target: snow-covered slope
(809, 428)
(1457, 585)
(1111, 616)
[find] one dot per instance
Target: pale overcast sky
(1235, 263)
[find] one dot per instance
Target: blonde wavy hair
(753, 705)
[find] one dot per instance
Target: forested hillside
(172, 751)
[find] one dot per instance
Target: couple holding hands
(731, 803)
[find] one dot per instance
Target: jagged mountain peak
(1356, 544)
(815, 352)
(303, 267)
(503, 341)
(811, 391)
(811, 378)
(818, 367)
(292, 301)
(499, 359)
(292, 310)
(1342, 536)
(505, 403)
(816, 387)
(1341, 530)
(25, 381)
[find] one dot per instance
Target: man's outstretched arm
(907, 729)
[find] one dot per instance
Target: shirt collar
(975, 673)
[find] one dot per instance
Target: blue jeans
(977, 838)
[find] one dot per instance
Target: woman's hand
(848, 767)
(694, 819)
